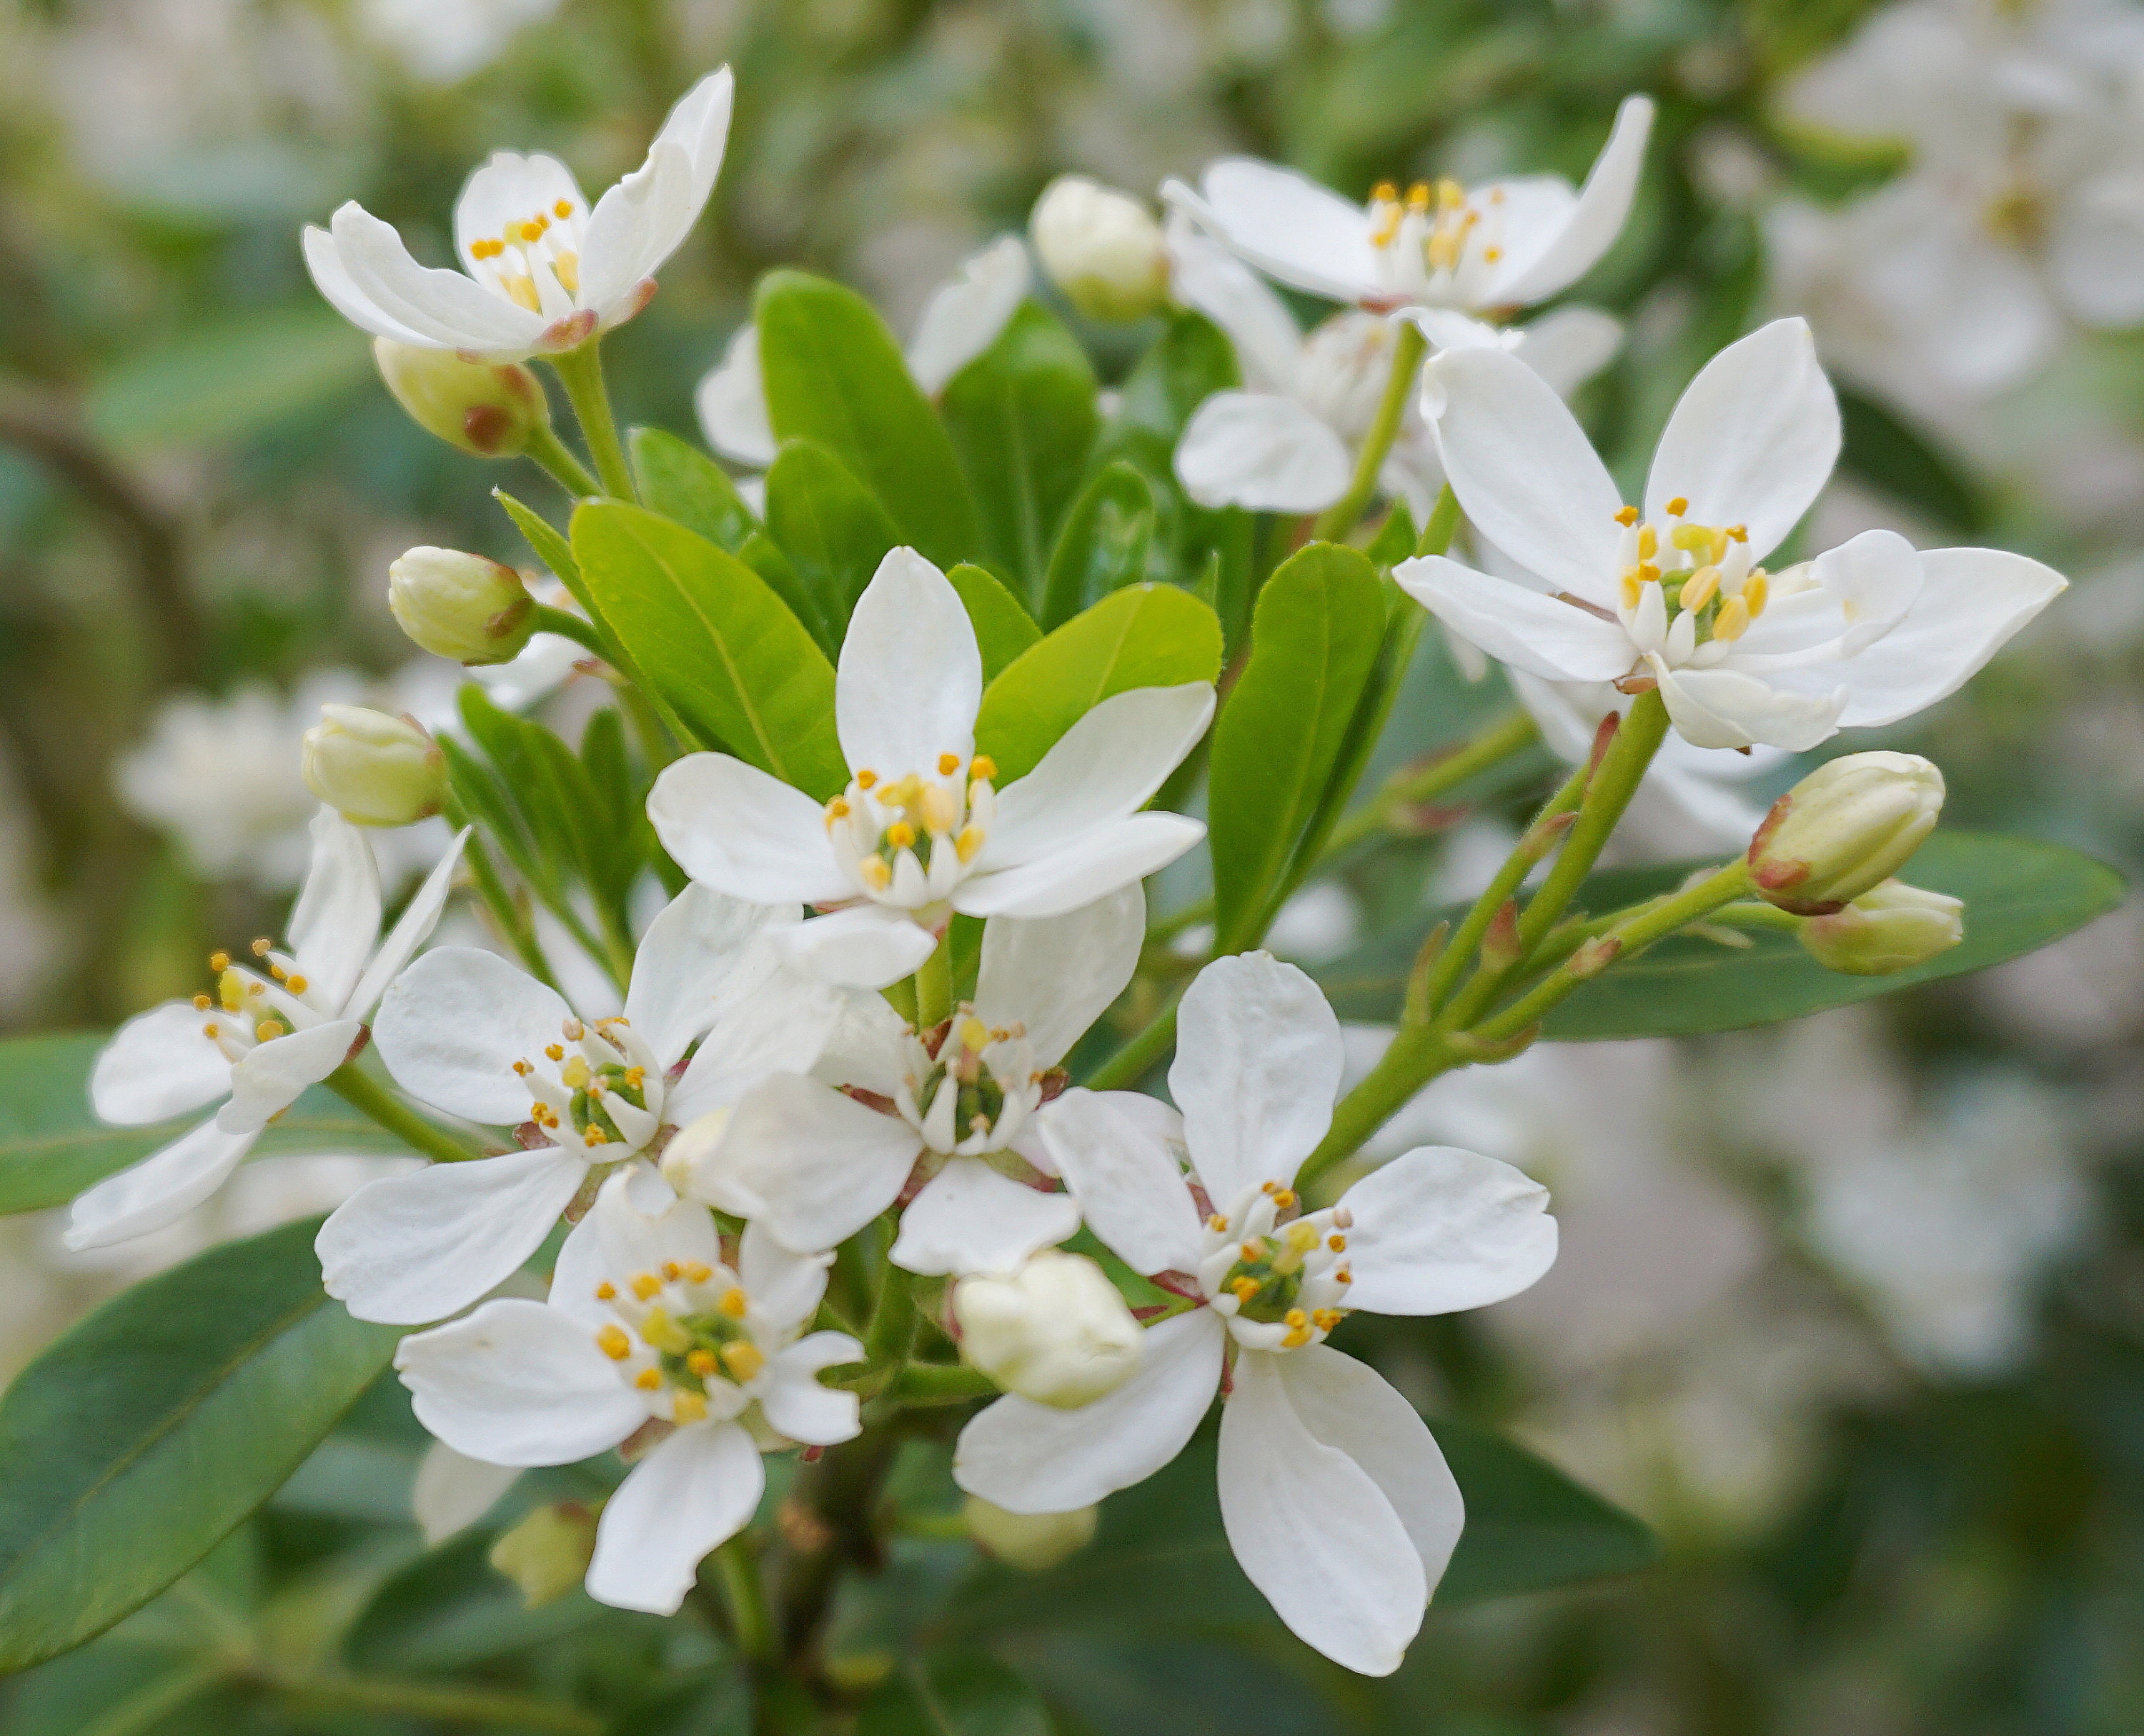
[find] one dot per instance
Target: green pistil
(981, 1095)
(1277, 1292)
(586, 1108)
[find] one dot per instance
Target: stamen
(875, 874)
(1384, 193)
(261, 947)
(703, 1363)
(735, 1303)
(613, 1344)
(1678, 506)
(1756, 590)
(606, 1291)
(1626, 516)
(672, 1271)
(941, 813)
(1218, 1224)
(900, 835)
(645, 1285)
(865, 779)
(686, 1405)
(743, 1361)
(948, 764)
(555, 1051)
(697, 1272)
(1733, 620)
(298, 985)
(970, 844)
(486, 249)
(983, 766)
(1284, 1198)
(837, 809)
(269, 1029)
(575, 1072)
(1697, 590)
(219, 962)
(563, 208)
(566, 267)
(202, 1003)
(1245, 1288)
(648, 1380)
(1649, 542)
(1325, 1319)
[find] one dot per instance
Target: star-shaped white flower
(1868, 634)
(655, 1335)
(258, 1042)
(946, 1117)
(1335, 1497)
(921, 830)
(1507, 243)
(469, 1033)
(542, 271)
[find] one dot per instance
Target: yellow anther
(672, 1271)
(703, 1363)
(1296, 1338)
(606, 1291)
(1295, 1317)
(743, 1361)
(665, 1334)
(975, 1034)
(1254, 1251)
(1733, 620)
(734, 1303)
(1649, 542)
(1325, 1319)
(1218, 1224)
(276, 971)
(1388, 226)
(697, 1272)
(1443, 249)
(1626, 515)
(1738, 532)
(948, 764)
(613, 1344)
(1491, 255)
(866, 778)
(595, 1136)
(219, 962)
(202, 1003)
(1245, 1288)
(268, 1029)
(837, 809)
(686, 1407)
(1345, 1275)
(1450, 195)
(555, 1051)
(1269, 1186)
(1284, 1198)
(1338, 1244)
(1756, 591)
(1699, 589)
(970, 844)
(648, 1380)
(298, 985)
(900, 835)
(521, 290)
(636, 1077)
(211, 1031)
(526, 231)
(983, 766)
(874, 873)
(1301, 1236)
(644, 1285)
(575, 1072)
(563, 208)
(486, 249)
(1383, 193)
(1000, 1033)
(1678, 506)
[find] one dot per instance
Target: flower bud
(487, 409)
(1056, 1331)
(1102, 247)
(1890, 928)
(547, 1553)
(1843, 828)
(689, 1149)
(374, 769)
(1030, 1540)
(461, 606)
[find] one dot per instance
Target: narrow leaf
(1105, 543)
(681, 482)
(831, 527)
(1002, 628)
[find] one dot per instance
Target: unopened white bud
(547, 1553)
(1890, 928)
(1030, 1540)
(1056, 1331)
(374, 769)
(1102, 247)
(487, 409)
(690, 1147)
(1851, 823)
(461, 606)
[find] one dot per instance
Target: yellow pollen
(595, 1136)
(685, 1406)
(268, 1028)
(613, 1344)
(743, 1361)
(865, 779)
(983, 767)
(665, 1334)
(1756, 589)
(1325, 1319)
(277, 972)
(521, 291)
(1678, 506)
(260, 946)
(1269, 1186)
(837, 809)
(968, 844)
(1337, 1243)
(1649, 544)
(1699, 587)
(948, 764)
(1218, 1224)
(941, 812)
(211, 1031)
(1345, 1275)
(298, 985)
(1245, 1288)
(1450, 195)
(703, 1363)
(648, 1380)
(526, 231)
(486, 249)
(555, 1051)
(900, 835)
(566, 267)
(1733, 620)
(874, 873)
(636, 1077)
(1632, 590)
(1626, 515)
(202, 1003)
(1296, 1338)
(1284, 1198)
(734, 1302)
(645, 1284)
(1388, 226)
(606, 1291)
(1294, 1316)
(975, 1034)
(1383, 193)
(575, 1072)
(1738, 532)
(1301, 1237)
(563, 208)
(698, 1272)
(1490, 255)
(672, 1271)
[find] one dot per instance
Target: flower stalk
(557, 461)
(1334, 524)
(374, 1100)
(580, 371)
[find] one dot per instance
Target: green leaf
(953, 1694)
(761, 553)
(139, 1439)
(2019, 894)
(831, 527)
(834, 374)
(1189, 362)
(1145, 636)
(737, 667)
(1022, 417)
(229, 380)
(1105, 543)
(54, 1146)
(1314, 641)
(1890, 455)
(1528, 1526)
(682, 482)
(1003, 627)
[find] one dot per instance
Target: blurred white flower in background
(444, 42)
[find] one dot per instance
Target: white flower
(962, 319)
(921, 831)
(258, 1043)
(1057, 1330)
(1507, 244)
(544, 272)
(651, 1334)
(1101, 247)
(444, 41)
(1868, 634)
(816, 1160)
(468, 1033)
(1287, 441)
(1335, 1497)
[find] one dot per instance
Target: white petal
(1206, 276)
(743, 831)
(795, 1402)
(1539, 635)
(814, 1165)
(332, 279)
(1058, 975)
(1264, 452)
(1117, 853)
(868, 1046)
(1875, 577)
(446, 309)
(506, 188)
(1440, 1229)
(2096, 253)
(698, 1488)
(1313, 1531)
(451, 1025)
(158, 1190)
(158, 1064)
(1107, 766)
(634, 227)
(518, 1383)
(268, 1079)
(633, 1240)
(578, 1272)
(411, 931)
(409, 1248)
(782, 1026)
(966, 314)
(784, 1286)
(910, 678)
(699, 125)
(1592, 225)
(1753, 439)
(1031, 1458)
(731, 402)
(969, 1218)
(704, 950)
(453, 1491)
(1524, 471)
(1258, 1059)
(866, 946)
(1130, 1187)
(1727, 708)
(1971, 601)
(337, 917)
(1285, 224)
(1569, 346)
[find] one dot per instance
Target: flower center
(544, 242)
(1686, 592)
(1277, 1278)
(1436, 239)
(2017, 216)
(257, 1009)
(976, 1091)
(910, 841)
(607, 1088)
(683, 1336)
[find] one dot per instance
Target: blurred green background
(1852, 1312)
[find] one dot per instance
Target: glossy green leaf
(1103, 545)
(1147, 635)
(131, 1445)
(831, 527)
(2019, 894)
(1890, 455)
(681, 482)
(726, 654)
(834, 374)
(54, 1146)
(953, 1694)
(1003, 627)
(1314, 642)
(764, 557)
(1022, 417)
(228, 380)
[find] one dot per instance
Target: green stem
(1337, 519)
(1622, 768)
(933, 987)
(744, 1593)
(657, 744)
(504, 912)
(581, 371)
(569, 626)
(447, 1705)
(557, 461)
(939, 1383)
(892, 1326)
(1419, 1054)
(374, 1100)
(1413, 784)
(1131, 1064)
